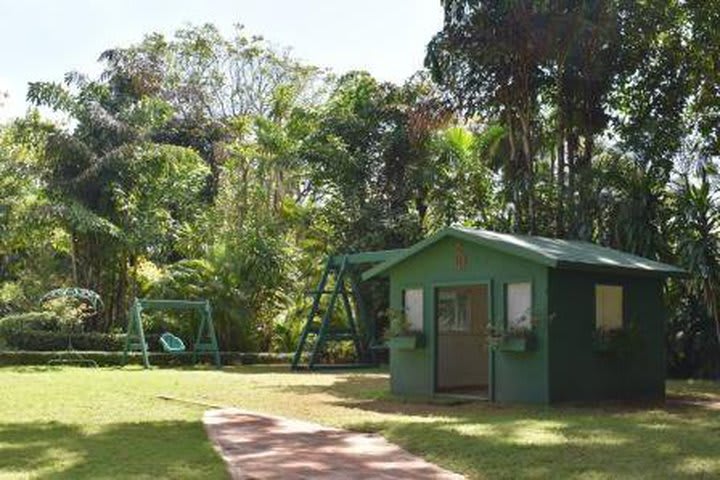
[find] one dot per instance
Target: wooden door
(461, 319)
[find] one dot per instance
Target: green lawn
(68, 423)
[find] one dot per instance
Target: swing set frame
(341, 281)
(205, 341)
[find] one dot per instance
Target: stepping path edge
(259, 446)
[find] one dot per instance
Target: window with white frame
(518, 297)
(413, 304)
(608, 307)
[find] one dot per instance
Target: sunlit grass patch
(700, 466)
(114, 423)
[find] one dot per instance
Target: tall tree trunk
(510, 171)
(561, 204)
(572, 142)
(527, 168)
(711, 302)
(421, 206)
(73, 257)
(560, 138)
(583, 169)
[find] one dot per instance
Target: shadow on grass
(142, 450)
(264, 368)
(229, 369)
(498, 441)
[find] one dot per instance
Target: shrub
(12, 298)
(286, 332)
(338, 352)
(156, 359)
(36, 340)
(45, 321)
(399, 324)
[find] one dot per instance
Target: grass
(69, 423)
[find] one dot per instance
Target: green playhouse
(527, 319)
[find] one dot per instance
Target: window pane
(608, 307)
(453, 310)
(414, 308)
(462, 322)
(519, 300)
(446, 311)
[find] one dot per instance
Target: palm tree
(697, 226)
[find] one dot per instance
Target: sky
(40, 40)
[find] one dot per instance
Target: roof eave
(386, 265)
(588, 267)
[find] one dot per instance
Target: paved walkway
(262, 447)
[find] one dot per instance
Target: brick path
(261, 447)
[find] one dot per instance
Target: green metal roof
(551, 252)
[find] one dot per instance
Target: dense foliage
(609, 110)
(200, 166)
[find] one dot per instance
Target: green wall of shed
(518, 376)
(578, 371)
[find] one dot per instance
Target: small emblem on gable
(461, 259)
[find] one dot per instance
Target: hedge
(35, 340)
(108, 359)
(44, 321)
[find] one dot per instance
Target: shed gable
(549, 252)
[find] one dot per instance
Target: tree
(28, 230)
(696, 223)
(209, 81)
(553, 75)
(458, 178)
(120, 195)
(489, 56)
(370, 160)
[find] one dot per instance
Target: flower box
(623, 341)
(517, 344)
(602, 345)
(407, 342)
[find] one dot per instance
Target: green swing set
(205, 342)
(341, 282)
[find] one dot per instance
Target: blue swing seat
(171, 344)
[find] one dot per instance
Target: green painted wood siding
(519, 376)
(578, 370)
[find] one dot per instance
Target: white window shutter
(519, 302)
(414, 308)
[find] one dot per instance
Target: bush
(42, 341)
(107, 359)
(44, 321)
(13, 298)
(47, 331)
(338, 352)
